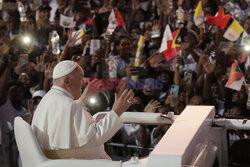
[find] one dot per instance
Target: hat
(38, 93)
(63, 68)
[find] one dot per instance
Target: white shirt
(60, 122)
(188, 63)
(117, 66)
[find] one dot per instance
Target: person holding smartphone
(119, 64)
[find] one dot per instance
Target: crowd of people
(34, 38)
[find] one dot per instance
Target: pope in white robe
(62, 125)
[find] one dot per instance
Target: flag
(166, 37)
(90, 21)
(67, 22)
(198, 15)
(112, 17)
(173, 45)
(138, 56)
(219, 19)
(115, 19)
(210, 19)
(236, 78)
(88, 26)
(234, 31)
(119, 20)
(112, 23)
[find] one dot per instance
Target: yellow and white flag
(199, 15)
(138, 57)
(234, 31)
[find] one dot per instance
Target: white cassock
(64, 128)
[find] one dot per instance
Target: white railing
(140, 118)
(237, 124)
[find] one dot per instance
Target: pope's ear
(67, 81)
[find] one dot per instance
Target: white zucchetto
(63, 68)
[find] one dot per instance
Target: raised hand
(49, 70)
(163, 6)
(208, 67)
(156, 26)
(123, 102)
(107, 6)
(31, 107)
(72, 39)
(136, 5)
(152, 106)
(40, 64)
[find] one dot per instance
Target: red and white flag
(119, 19)
(115, 19)
(171, 43)
(236, 78)
(166, 37)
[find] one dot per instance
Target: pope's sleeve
(89, 131)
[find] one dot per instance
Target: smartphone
(174, 90)
(24, 59)
(141, 71)
(205, 42)
(89, 29)
(188, 76)
(212, 57)
(95, 44)
(151, 59)
(192, 16)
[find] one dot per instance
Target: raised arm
(98, 133)
(72, 39)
